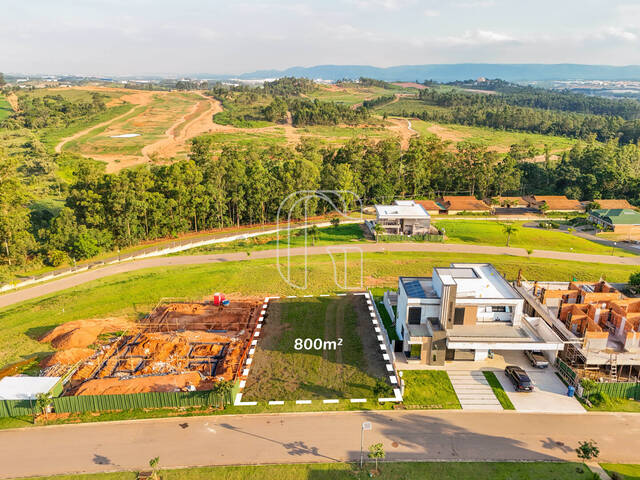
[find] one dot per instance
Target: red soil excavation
(179, 346)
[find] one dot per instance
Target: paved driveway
(549, 396)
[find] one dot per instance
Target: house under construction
(600, 325)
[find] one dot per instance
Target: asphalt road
(314, 437)
(73, 280)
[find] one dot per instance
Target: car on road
(519, 378)
(537, 358)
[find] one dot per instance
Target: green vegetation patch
(429, 389)
(347, 471)
(498, 390)
(321, 347)
(5, 108)
(489, 232)
(626, 471)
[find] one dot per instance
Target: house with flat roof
(618, 220)
(457, 204)
(403, 217)
(554, 203)
(462, 312)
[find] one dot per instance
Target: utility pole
(365, 426)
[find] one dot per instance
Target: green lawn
(487, 232)
(349, 369)
(388, 471)
(429, 389)
(616, 405)
(498, 391)
(5, 108)
(341, 234)
(628, 471)
(134, 294)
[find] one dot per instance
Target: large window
(414, 315)
(416, 350)
(458, 318)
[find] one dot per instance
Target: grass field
(429, 389)
(626, 470)
(133, 294)
(75, 94)
(481, 232)
(5, 108)
(498, 390)
(150, 122)
(499, 140)
(388, 471)
(348, 369)
(616, 405)
(260, 139)
(352, 94)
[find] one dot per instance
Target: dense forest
(246, 185)
(537, 111)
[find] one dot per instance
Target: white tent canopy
(25, 388)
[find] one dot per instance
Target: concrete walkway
(473, 390)
(314, 437)
(13, 297)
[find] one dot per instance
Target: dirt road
(315, 437)
(11, 298)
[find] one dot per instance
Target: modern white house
(403, 217)
(463, 312)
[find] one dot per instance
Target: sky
(138, 37)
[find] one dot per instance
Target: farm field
(295, 358)
(388, 471)
(132, 295)
(481, 232)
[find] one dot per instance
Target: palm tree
(313, 231)
(379, 229)
(509, 229)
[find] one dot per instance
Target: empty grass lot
(498, 390)
(429, 389)
(5, 108)
(625, 470)
(487, 232)
(347, 471)
(133, 294)
(348, 369)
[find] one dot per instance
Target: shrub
(599, 398)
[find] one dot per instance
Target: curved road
(89, 275)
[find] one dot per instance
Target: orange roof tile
(613, 203)
(558, 202)
(468, 203)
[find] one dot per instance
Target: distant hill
(458, 71)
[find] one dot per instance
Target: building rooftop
(468, 203)
(618, 216)
(402, 209)
(25, 388)
(613, 203)
(558, 202)
(473, 280)
(430, 205)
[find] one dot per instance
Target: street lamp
(365, 426)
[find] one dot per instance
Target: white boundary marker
(377, 331)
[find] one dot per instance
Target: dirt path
(184, 129)
(12, 98)
(402, 127)
(135, 99)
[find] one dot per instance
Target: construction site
(178, 346)
(600, 325)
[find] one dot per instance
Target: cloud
(477, 37)
(382, 4)
(618, 33)
(431, 13)
(475, 4)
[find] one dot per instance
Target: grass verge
(387, 471)
(429, 389)
(498, 391)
